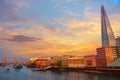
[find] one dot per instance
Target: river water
(28, 74)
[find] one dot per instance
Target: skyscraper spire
(108, 38)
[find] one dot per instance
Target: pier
(107, 70)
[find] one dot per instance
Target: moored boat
(7, 70)
(18, 66)
(38, 69)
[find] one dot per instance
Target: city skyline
(52, 27)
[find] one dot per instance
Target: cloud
(30, 27)
(21, 38)
(114, 20)
(25, 46)
(1, 28)
(78, 31)
(10, 10)
(44, 28)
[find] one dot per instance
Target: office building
(90, 60)
(109, 50)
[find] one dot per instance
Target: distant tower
(108, 38)
(15, 61)
(4, 61)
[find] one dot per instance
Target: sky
(34, 28)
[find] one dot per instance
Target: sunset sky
(30, 28)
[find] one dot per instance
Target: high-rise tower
(108, 38)
(109, 50)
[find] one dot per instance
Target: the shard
(108, 38)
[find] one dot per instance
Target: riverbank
(112, 71)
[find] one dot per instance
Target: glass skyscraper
(110, 49)
(108, 38)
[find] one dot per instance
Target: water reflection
(69, 75)
(27, 74)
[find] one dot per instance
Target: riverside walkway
(109, 70)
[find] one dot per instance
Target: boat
(38, 69)
(18, 66)
(41, 69)
(7, 70)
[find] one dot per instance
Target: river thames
(28, 74)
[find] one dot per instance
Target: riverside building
(76, 62)
(90, 61)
